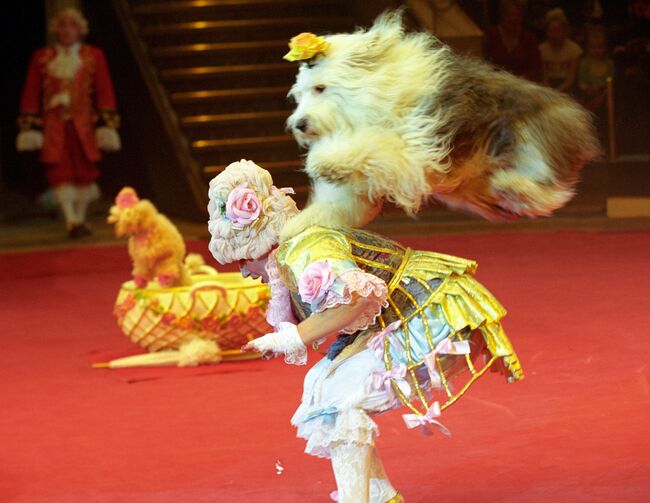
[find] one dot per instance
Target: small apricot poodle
(155, 244)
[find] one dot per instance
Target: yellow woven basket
(225, 307)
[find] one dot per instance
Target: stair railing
(433, 16)
(162, 104)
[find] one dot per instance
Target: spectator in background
(594, 69)
(634, 51)
(560, 54)
(510, 46)
(639, 19)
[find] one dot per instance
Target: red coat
(524, 60)
(91, 92)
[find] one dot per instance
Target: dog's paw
(329, 170)
(522, 196)
(294, 227)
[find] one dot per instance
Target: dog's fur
(396, 116)
(156, 246)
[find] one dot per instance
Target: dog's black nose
(301, 125)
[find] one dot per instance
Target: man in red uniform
(510, 46)
(67, 111)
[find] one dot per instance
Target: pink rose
(209, 324)
(315, 281)
(243, 206)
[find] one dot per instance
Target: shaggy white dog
(389, 115)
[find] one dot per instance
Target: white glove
(108, 139)
(285, 342)
(31, 139)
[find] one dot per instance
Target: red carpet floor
(577, 429)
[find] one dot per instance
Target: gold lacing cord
(451, 396)
(397, 277)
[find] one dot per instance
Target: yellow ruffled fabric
(464, 302)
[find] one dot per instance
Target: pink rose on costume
(315, 281)
(243, 206)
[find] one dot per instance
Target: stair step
(227, 94)
(217, 101)
(272, 166)
(229, 143)
(243, 24)
(261, 57)
(216, 71)
(261, 149)
(224, 47)
(157, 34)
(187, 11)
(201, 5)
(168, 13)
(238, 118)
(261, 155)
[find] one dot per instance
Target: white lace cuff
(286, 341)
(352, 284)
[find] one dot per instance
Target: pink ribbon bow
(377, 342)
(423, 421)
(397, 373)
(444, 347)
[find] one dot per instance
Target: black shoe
(79, 231)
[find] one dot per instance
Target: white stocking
(381, 490)
(85, 195)
(360, 476)
(66, 196)
(352, 466)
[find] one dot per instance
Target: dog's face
(133, 220)
(350, 87)
(320, 103)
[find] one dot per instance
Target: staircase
(216, 73)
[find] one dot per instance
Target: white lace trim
(295, 351)
(348, 425)
(279, 308)
(362, 284)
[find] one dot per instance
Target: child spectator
(560, 54)
(593, 71)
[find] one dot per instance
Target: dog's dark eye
(319, 89)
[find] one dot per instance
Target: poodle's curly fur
(392, 115)
(156, 246)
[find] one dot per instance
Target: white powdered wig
(72, 13)
(230, 243)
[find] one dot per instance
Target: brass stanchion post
(610, 119)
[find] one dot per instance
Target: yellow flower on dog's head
(306, 46)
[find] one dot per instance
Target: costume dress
(429, 332)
